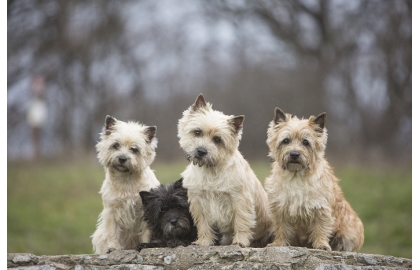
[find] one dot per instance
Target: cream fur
(306, 202)
(223, 191)
(120, 224)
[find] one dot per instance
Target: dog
(225, 196)
(126, 150)
(166, 211)
(306, 202)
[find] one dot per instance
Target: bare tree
(148, 60)
(76, 54)
(334, 41)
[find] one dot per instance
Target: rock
(169, 259)
(25, 258)
(366, 259)
(21, 259)
(220, 257)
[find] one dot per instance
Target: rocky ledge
(220, 257)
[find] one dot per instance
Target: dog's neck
(223, 165)
(217, 178)
(131, 181)
(309, 174)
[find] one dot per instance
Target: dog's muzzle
(122, 159)
(199, 157)
(176, 227)
(121, 165)
(201, 152)
(293, 162)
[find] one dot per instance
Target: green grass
(383, 201)
(52, 208)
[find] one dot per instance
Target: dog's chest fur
(123, 200)
(216, 192)
(219, 207)
(298, 197)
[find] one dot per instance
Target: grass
(52, 208)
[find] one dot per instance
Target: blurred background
(70, 63)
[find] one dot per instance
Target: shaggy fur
(306, 202)
(224, 194)
(167, 214)
(126, 150)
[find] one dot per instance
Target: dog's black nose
(294, 154)
(201, 152)
(122, 159)
(174, 221)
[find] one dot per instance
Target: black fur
(167, 214)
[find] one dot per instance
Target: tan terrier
(306, 202)
(224, 194)
(126, 150)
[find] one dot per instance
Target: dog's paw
(175, 243)
(139, 247)
(278, 244)
(203, 242)
(326, 248)
(242, 245)
(241, 241)
(323, 246)
(110, 250)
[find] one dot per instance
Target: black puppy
(167, 214)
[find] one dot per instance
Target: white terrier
(224, 194)
(126, 150)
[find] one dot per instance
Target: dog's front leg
(111, 241)
(284, 233)
(105, 237)
(206, 235)
(321, 229)
(145, 236)
(244, 221)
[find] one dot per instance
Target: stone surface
(220, 257)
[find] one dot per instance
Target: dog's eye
(286, 141)
(162, 211)
(197, 133)
(116, 145)
(134, 150)
(217, 139)
(305, 142)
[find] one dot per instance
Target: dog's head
(296, 143)
(166, 210)
(208, 137)
(126, 147)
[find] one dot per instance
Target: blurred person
(37, 114)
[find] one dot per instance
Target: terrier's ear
(150, 133)
(199, 103)
(144, 197)
(109, 123)
(237, 122)
(178, 183)
(321, 121)
(279, 116)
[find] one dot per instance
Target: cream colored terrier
(126, 150)
(306, 202)
(223, 191)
